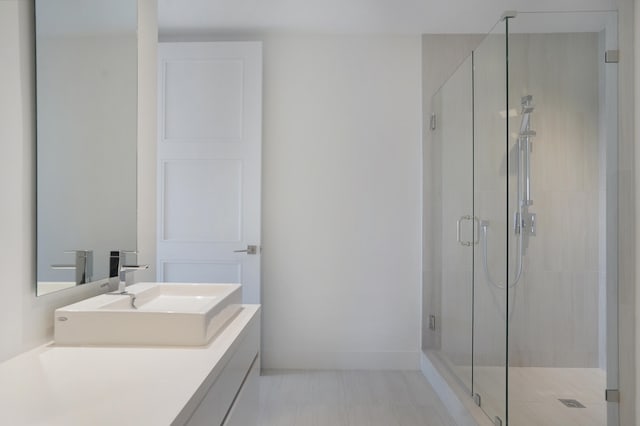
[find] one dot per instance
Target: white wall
(27, 321)
(15, 174)
(341, 202)
(147, 129)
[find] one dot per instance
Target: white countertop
(67, 386)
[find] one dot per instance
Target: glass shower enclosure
(525, 139)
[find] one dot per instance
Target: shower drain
(571, 403)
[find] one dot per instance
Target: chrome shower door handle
(458, 238)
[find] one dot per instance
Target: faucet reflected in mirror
(83, 266)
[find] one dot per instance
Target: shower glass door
(526, 171)
(452, 134)
(492, 275)
(562, 347)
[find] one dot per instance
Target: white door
(209, 158)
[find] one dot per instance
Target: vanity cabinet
(244, 411)
(216, 384)
(232, 398)
(222, 406)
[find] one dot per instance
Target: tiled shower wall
(555, 308)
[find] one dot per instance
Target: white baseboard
(302, 360)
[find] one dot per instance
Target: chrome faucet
(119, 268)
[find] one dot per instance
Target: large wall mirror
(86, 85)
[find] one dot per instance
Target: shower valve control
(525, 223)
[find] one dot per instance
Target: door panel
(212, 90)
(202, 200)
(452, 138)
(176, 271)
(209, 154)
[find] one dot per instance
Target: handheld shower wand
(525, 145)
(524, 222)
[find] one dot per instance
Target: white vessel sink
(164, 314)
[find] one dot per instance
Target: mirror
(86, 106)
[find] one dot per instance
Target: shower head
(527, 104)
(527, 108)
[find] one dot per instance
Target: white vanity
(211, 384)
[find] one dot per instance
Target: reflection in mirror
(86, 85)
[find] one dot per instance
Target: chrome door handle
(250, 250)
(458, 222)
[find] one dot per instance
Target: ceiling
(349, 16)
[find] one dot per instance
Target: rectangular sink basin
(175, 314)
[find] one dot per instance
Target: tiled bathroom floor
(534, 394)
(349, 398)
